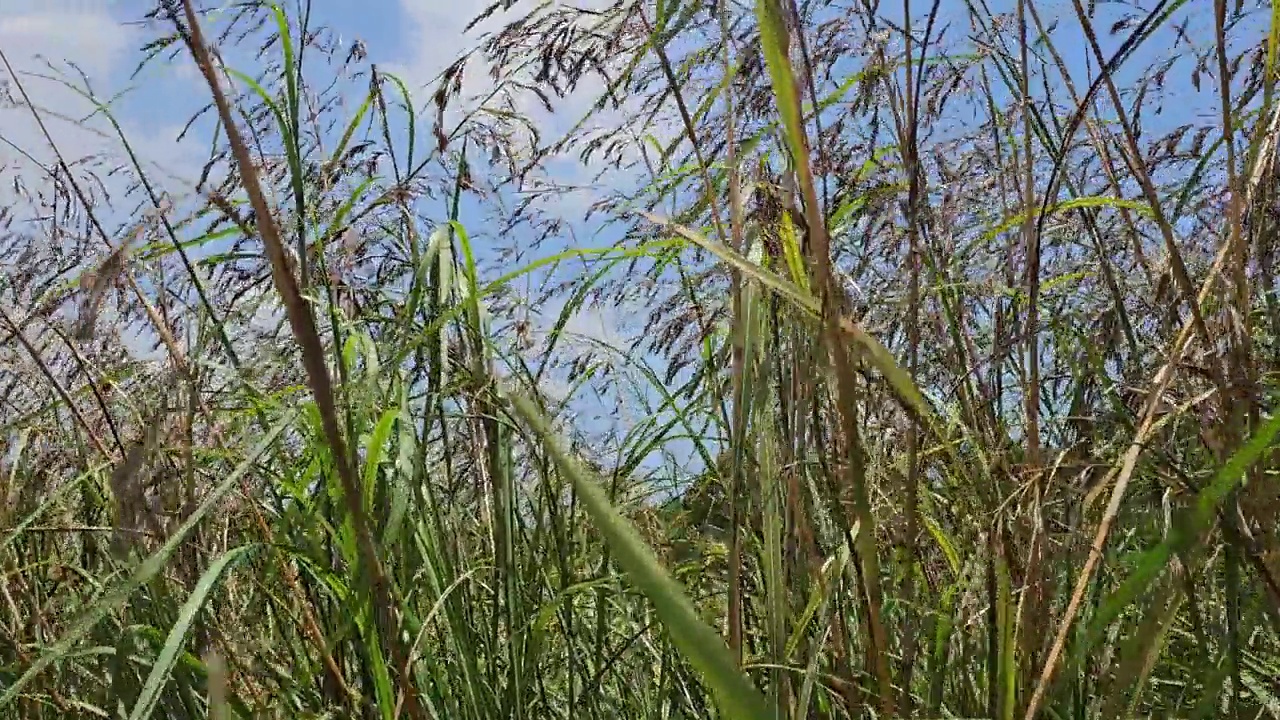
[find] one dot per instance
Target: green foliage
(949, 389)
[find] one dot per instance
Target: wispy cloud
(437, 35)
(61, 52)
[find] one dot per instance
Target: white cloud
(439, 37)
(601, 323)
(49, 47)
(54, 50)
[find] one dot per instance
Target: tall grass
(954, 396)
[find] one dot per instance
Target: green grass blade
(159, 674)
(699, 643)
(117, 597)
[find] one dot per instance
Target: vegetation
(944, 382)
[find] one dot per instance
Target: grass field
(938, 375)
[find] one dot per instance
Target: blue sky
(415, 40)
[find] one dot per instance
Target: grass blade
(699, 643)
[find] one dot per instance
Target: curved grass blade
(1186, 531)
(899, 380)
(698, 642)
(117, 597)
(177, 636)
